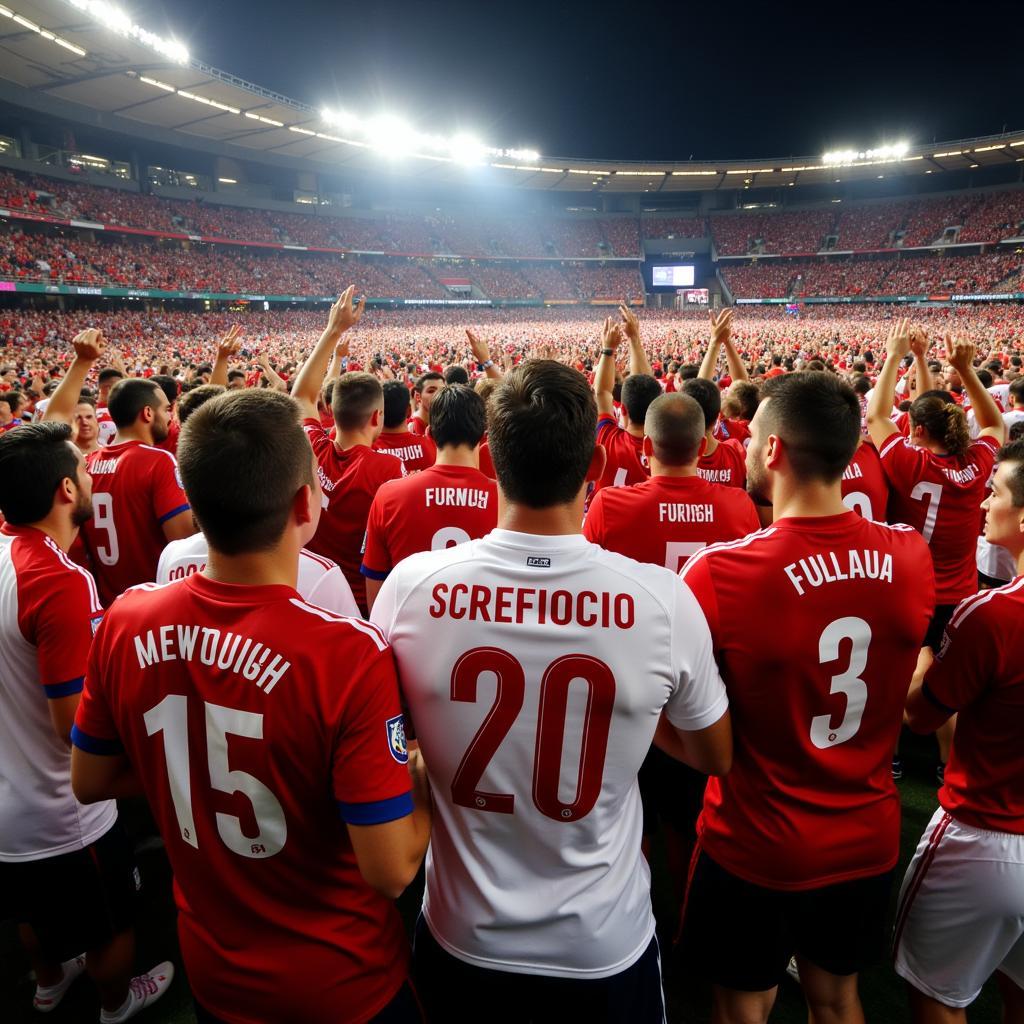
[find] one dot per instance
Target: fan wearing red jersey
(417, 451)
(66, 871)
(423, 392)
(279, 783)
(450, 503)
(350, 471)
(625, 463)
(536, 668)
(961, 912)
(721, 462)
(798, 843)
(864, 484)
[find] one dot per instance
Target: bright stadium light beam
(847, 157)
(391, 136)
(116, 20)
(467, 150)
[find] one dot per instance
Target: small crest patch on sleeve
(396, 739)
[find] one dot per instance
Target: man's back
(816, 624)
(865, 488)
(626, 463)
(534, 714)
(135, 490)
(417, 451)
(247, 740)
(727, 464)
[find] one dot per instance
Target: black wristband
(607, 351)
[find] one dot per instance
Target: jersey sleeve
(593, 524)
(168, 495)
(607, 428)
(696, 574)
(902, 463)
(966, 663)
(984, 451)
(370, 778)
(318, 439)
(333, 593)
(699, 699)
(94, 730)
(377, 561)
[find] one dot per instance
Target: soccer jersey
(258, 726)
(105, 426)
(865, 488)
(486, 462)
(416, 425)
(940, 496)
(666, 520)
(320, 582)
(626, 463)
(135, 489)
(727, 429)
(349, 480)
(48, 608)
(816, 624)
(978, 673)
(535, 670)
(726, 465)
(441, 506)
(417, 451)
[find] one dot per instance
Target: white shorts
(961, 911)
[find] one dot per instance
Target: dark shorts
(403, 1009)
(75, 901)
(742, 934)
(672, 794)
(940, 620)
(452, 990)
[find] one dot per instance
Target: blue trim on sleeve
(377, 812)
(94, 745)
(373, 574)
(54, 691)
(174, 512)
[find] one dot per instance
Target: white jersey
(321, 581)
(535, 670)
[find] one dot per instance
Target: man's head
(196, 397)
(357, 403)
(638, 391)
(458, 417)
(42, 471)
(456, 375)
(674, 429)
(168, 385)
(11, 404)
(86, 426)
(543, 424)
(805, 431)
(706, 394)
(397, 404)
(107, 379)
(426, 386)
(138, 404)
(246, 483)
(741, 400)
(1017, 393)
(236, 379)
(951, 379)
(1004, 507)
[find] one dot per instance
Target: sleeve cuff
(174, 512)
(93, 744)
(934, 701)
(54, 691)
(704, 720)
(373, 574)
(377, 812)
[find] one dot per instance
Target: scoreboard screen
(676, 275)
(694, 296)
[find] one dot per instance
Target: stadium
(170, 229)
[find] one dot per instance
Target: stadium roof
(58, 57)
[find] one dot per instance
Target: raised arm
(923, 380)
(344, 314)
(737, 370)
(275, 380)
(638, 361)
(880, 424)
(604, 376)
(721, 328)
(339, 360)
(960, 353)
(226, 348)
(482, 354)
(88, 346)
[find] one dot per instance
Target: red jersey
(416, 425)
(667, 519)
(486, 462)
(170, 442)
(417, 451)
(978, 673)
(136, 488)
(737, 430)
(438, 508)
(727, 464)
(940, 496)
(817, 624)
(349, 480)
(626, 463)
(865, 488)
(248, 742)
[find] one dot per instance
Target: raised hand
(346, 313)
(960, 352)
(897, 345)
(480, 349)
(89, 345)
(630, 323)
(918, 342)
(230, 344)
(721, 326)
(611, 334)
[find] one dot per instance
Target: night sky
(630, 80)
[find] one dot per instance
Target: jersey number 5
(547, 763)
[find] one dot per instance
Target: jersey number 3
(547, 763)
(849, 683)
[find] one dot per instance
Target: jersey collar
(538, 542)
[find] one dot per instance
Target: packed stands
(675, 227)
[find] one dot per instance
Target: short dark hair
(13, 399)
(1013, 451)
(456, 375)
(109, 373)
(543, 425)
(745, 397)
(396, 403)
(688, 371)
(168, 385)
(241, 478)
(128, 397)
(861, 385)
(196, 397)
(638, 391)
(354, 398)
(236, 374)
(86, 398)
(817, 416)
(676, 424)
(1016, 390)
(458, 416)
(707, 395)
(423, 378)
(985, 378)
(34, 459)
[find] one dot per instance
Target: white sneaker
(142, 991)
(792, 970)
(48, 998)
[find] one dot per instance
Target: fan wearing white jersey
(537, 669)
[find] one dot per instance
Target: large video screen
(676, 275)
